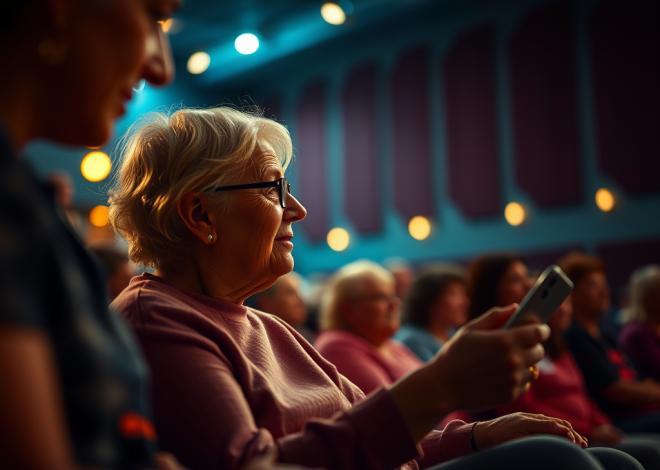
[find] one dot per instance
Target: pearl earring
(210, 237)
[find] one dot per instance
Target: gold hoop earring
(51, 51)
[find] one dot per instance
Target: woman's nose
(294, 211)
(158, 67)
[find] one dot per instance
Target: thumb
(492, 319)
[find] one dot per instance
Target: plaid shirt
(49, 282)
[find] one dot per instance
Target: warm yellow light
(604, 200)
(95, 166)
(199, 62)
(514, 214)
(338, 239)
(333, 13)
(167, 24)
(99, 216)
(419, 227)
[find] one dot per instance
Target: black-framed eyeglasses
(281, 183)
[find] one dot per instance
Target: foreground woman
(201, 196)
(74, 387)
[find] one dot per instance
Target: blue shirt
(419, 341)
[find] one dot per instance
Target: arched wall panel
(413, 180)
(362, 204)
(625, 41)
(547, 156)
(310, 127)
(471, 126)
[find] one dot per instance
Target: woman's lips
(285, 240)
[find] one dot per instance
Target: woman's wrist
(422, 401)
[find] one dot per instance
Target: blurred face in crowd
(514, 284)
(450, 310)
(254, 238)
(120, 280)
(285, 301)
(561, 319)
(110, 46)
(374, 313)
(591, 295)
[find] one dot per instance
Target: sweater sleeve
(203, 417)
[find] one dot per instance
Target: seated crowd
(205, 382)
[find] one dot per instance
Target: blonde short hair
(165, 156)
(643, 283)
(346, 285)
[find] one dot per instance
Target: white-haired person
(640, 336)
(201, 197)
(360, 312)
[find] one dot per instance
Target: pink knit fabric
(228, 382)
(364, 364)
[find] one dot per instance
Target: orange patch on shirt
(135, 426)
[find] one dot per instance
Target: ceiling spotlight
(95, 166)
(338, 239)
(247, 43)
(419, 227)
(605, 200)
(199, 62)
(333, 13)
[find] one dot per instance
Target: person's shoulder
(328, 341)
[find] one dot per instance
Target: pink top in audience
(642, 344)
(364, 364)
(560, 392)
(229, 382)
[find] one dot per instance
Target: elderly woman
(435, 306)
(359, 315)
(201, 197)
(640, 337)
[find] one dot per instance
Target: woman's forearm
(632, 393)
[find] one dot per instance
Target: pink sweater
(364, 364)
(229, 382)
(560, 392)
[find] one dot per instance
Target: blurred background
(428, 130)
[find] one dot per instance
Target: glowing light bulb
(95, 166)
(98, 216)
(419, 227)
(605, 200)
(247, 43)
(514, 214)
(333, 13)
(338, 239)
(198, 63)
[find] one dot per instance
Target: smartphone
(548, 293)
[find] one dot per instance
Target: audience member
(610, 378)
(213, 215)
(359, 314)
(115, 263)
(560, 391)
(434, 307)
(283, 300)
(61, 184)
(640, 337)
(73, 383)
(403, 274)
(496, 279)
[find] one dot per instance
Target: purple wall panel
(471, 128)
(544, 104)
(622, 258)
(310, 117)
(625, 37)
(542, 259)
(413, 175)
(361, 165)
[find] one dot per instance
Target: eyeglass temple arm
(266, 184)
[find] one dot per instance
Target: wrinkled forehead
(265, 162)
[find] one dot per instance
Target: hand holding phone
(548, 293)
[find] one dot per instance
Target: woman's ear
(193, 209)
